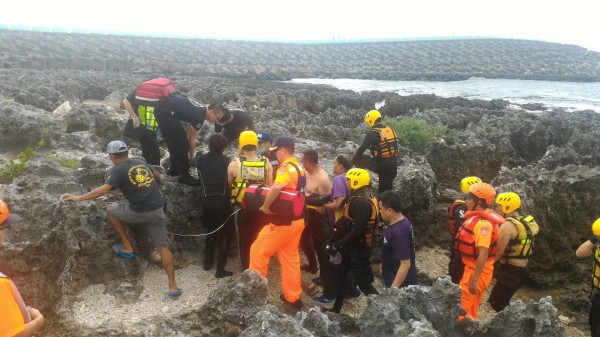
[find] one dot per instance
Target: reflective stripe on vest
(388, 143)
(520, 247)
(146, 115)
(596, 275)
(465, 238)
(370, 227)
(249, 172)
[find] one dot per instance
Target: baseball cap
(264, 137)
(283, 141)
(226, 117)
(116, 146)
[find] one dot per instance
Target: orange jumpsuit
(11, 319)
(482, 232)
(283, 240)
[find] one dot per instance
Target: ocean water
(570, 96)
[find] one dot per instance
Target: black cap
(285, 142)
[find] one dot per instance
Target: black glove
(594, 239)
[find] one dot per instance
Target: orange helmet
(5, 217)
(483, 191)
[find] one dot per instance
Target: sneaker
(323, 299)
(296, 305)
(188, 180)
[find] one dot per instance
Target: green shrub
(16, 167)
(72, 163)
(416, 134)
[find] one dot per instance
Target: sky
(572, 22)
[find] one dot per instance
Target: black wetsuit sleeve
(131, 98)
(371, 139)
(360, 212)
(218, 128)
(459, 215)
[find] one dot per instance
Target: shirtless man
(317, 194)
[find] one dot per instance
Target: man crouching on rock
(145, 206)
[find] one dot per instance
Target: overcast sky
(573, 21)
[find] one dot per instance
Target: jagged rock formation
(452, 59)
(552, 158)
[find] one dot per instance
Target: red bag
(289, 202)
(154, 92)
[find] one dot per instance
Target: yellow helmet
(596, 227)
(510, 201)
(467, 182)
(371, 117)
(248, 138)
(358, 178)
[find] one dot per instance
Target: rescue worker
(383, 144)
(456, 213)
(144, 207)
(354, 232)
(244, 170)
(16, 318)
(317, 194)
(282, 233)
(167, 117)
(216, 203)
(515, 246)
(591, 247)
(233, 121)
(265, 142)
(476, 242)
(334, 210)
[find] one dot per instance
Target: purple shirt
(398, 245)
(339, 189)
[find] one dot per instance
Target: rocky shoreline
(552, 158)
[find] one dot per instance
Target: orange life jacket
(388, 143)
(11, 319)
(465, 238)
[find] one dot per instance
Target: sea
(570, 96)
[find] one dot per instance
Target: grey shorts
(153, 222)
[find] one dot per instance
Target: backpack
(154, 92)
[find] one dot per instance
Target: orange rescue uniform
(11, 319)
(483, 233)
(283, 240)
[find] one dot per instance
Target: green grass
(72, 163)
(417, 134)
(17, 166)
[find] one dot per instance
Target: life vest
(388, 143)
(453, 227)
(147, 118)
(371, 223)
(596, 275)
(11, 319)
(465, 238)
(521, 247)
(248, 172)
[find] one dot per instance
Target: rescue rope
(207, 234)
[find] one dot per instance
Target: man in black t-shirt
(144, 208)
(232, 121)
(168, 116)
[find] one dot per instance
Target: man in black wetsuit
(216, 206)
(233, 121)
(382, 141)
